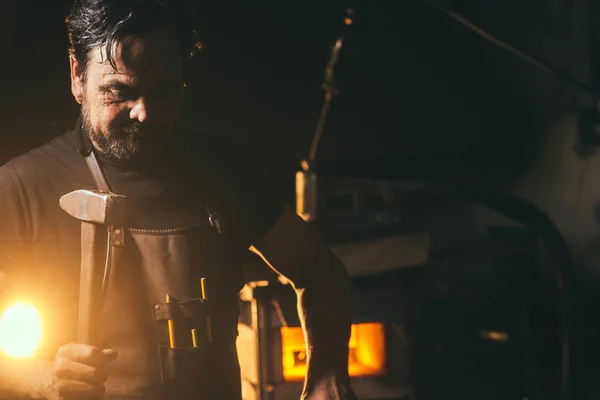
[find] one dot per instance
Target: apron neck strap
(86, 149)
(96, 170)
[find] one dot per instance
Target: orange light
(495, 336)
(20, 330)
(366, 355)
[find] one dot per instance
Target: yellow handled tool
(203, 294)
(171, 326)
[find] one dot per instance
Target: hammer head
(95, 206)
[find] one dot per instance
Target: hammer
(96, 210)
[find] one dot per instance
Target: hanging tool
(329, 82)
(306, 178)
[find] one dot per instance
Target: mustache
(131, 129)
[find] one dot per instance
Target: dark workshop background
(421, 97)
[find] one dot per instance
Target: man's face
(129, 112)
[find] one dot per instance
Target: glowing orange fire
(366, 353)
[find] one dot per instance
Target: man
(127, 63)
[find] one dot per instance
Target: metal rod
(319, 131)
(536, 60)
(329, 83)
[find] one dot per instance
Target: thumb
(110, 354)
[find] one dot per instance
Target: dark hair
(98, 23)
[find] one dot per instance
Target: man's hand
(79, 372)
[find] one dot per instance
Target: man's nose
(139, 110)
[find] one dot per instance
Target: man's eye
(116, 94)
(119, 94)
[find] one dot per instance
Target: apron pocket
(200, 373)
(185, 373)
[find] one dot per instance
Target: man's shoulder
(42, 161)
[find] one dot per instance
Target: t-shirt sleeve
(14, 226)
(251, 199)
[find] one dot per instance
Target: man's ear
(76, 79)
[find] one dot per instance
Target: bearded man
(194, 213)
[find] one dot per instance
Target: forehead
(148, 59)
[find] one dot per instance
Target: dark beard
(120, 144)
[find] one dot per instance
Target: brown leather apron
(151, 264)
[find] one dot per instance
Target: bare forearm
(296, 252)
(324, 310)
(24, 378)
